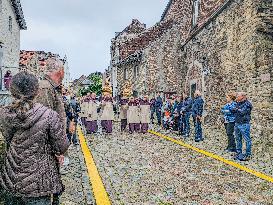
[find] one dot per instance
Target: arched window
(195, 13)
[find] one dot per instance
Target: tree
(96, 84)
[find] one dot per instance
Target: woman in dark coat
(35, 139)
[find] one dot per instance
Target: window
(193, 89)
(196, 5)
(126, 74)
(10, 24)
(136, 71)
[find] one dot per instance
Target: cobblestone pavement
(262, 159)
(76, 180)
(144, 169)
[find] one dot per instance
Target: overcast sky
(83, 29)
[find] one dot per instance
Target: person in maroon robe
(133, 115)
(108, 114)
(123, 112)
(145, 110)
(92, 114)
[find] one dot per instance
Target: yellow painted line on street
(214, 156)
(99, 190)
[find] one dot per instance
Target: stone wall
(10, 39)
(232, 53)
(230, 49)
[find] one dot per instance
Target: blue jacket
(227, 111)
(197, 107)
(187, 105)
(179, 107)
(242, 112)
(158, 103)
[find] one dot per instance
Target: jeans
(186, 124)
(243, 131)
(198, 129)
(230, 133)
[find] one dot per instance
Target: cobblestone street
(144, 169)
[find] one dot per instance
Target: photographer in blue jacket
(242, 113)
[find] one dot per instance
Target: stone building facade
(11, 22)
(213, 46)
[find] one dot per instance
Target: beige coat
(145, 113)
(107, 111)
(84, 111)
(133, 114)
(91, 110)
(123, 112)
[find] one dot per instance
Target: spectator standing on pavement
(242, 113)
(144, 107)
(50, 96)
(178, 113)
(153, 109)
(186, 112)
(92, 115)
(158, 107)
(35, 137)
(197, 113)
(229, 121)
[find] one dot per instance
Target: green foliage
(95, 87)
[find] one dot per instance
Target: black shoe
(198, 140)
(245, 158)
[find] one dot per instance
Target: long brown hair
(24, 88)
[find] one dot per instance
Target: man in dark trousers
(242, 113)
(158, 107)
(186, 111)
(197, 113)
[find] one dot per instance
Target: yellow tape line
(214, 156)
(99, 191)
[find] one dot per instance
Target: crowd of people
(40, 125)
(173, 113)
